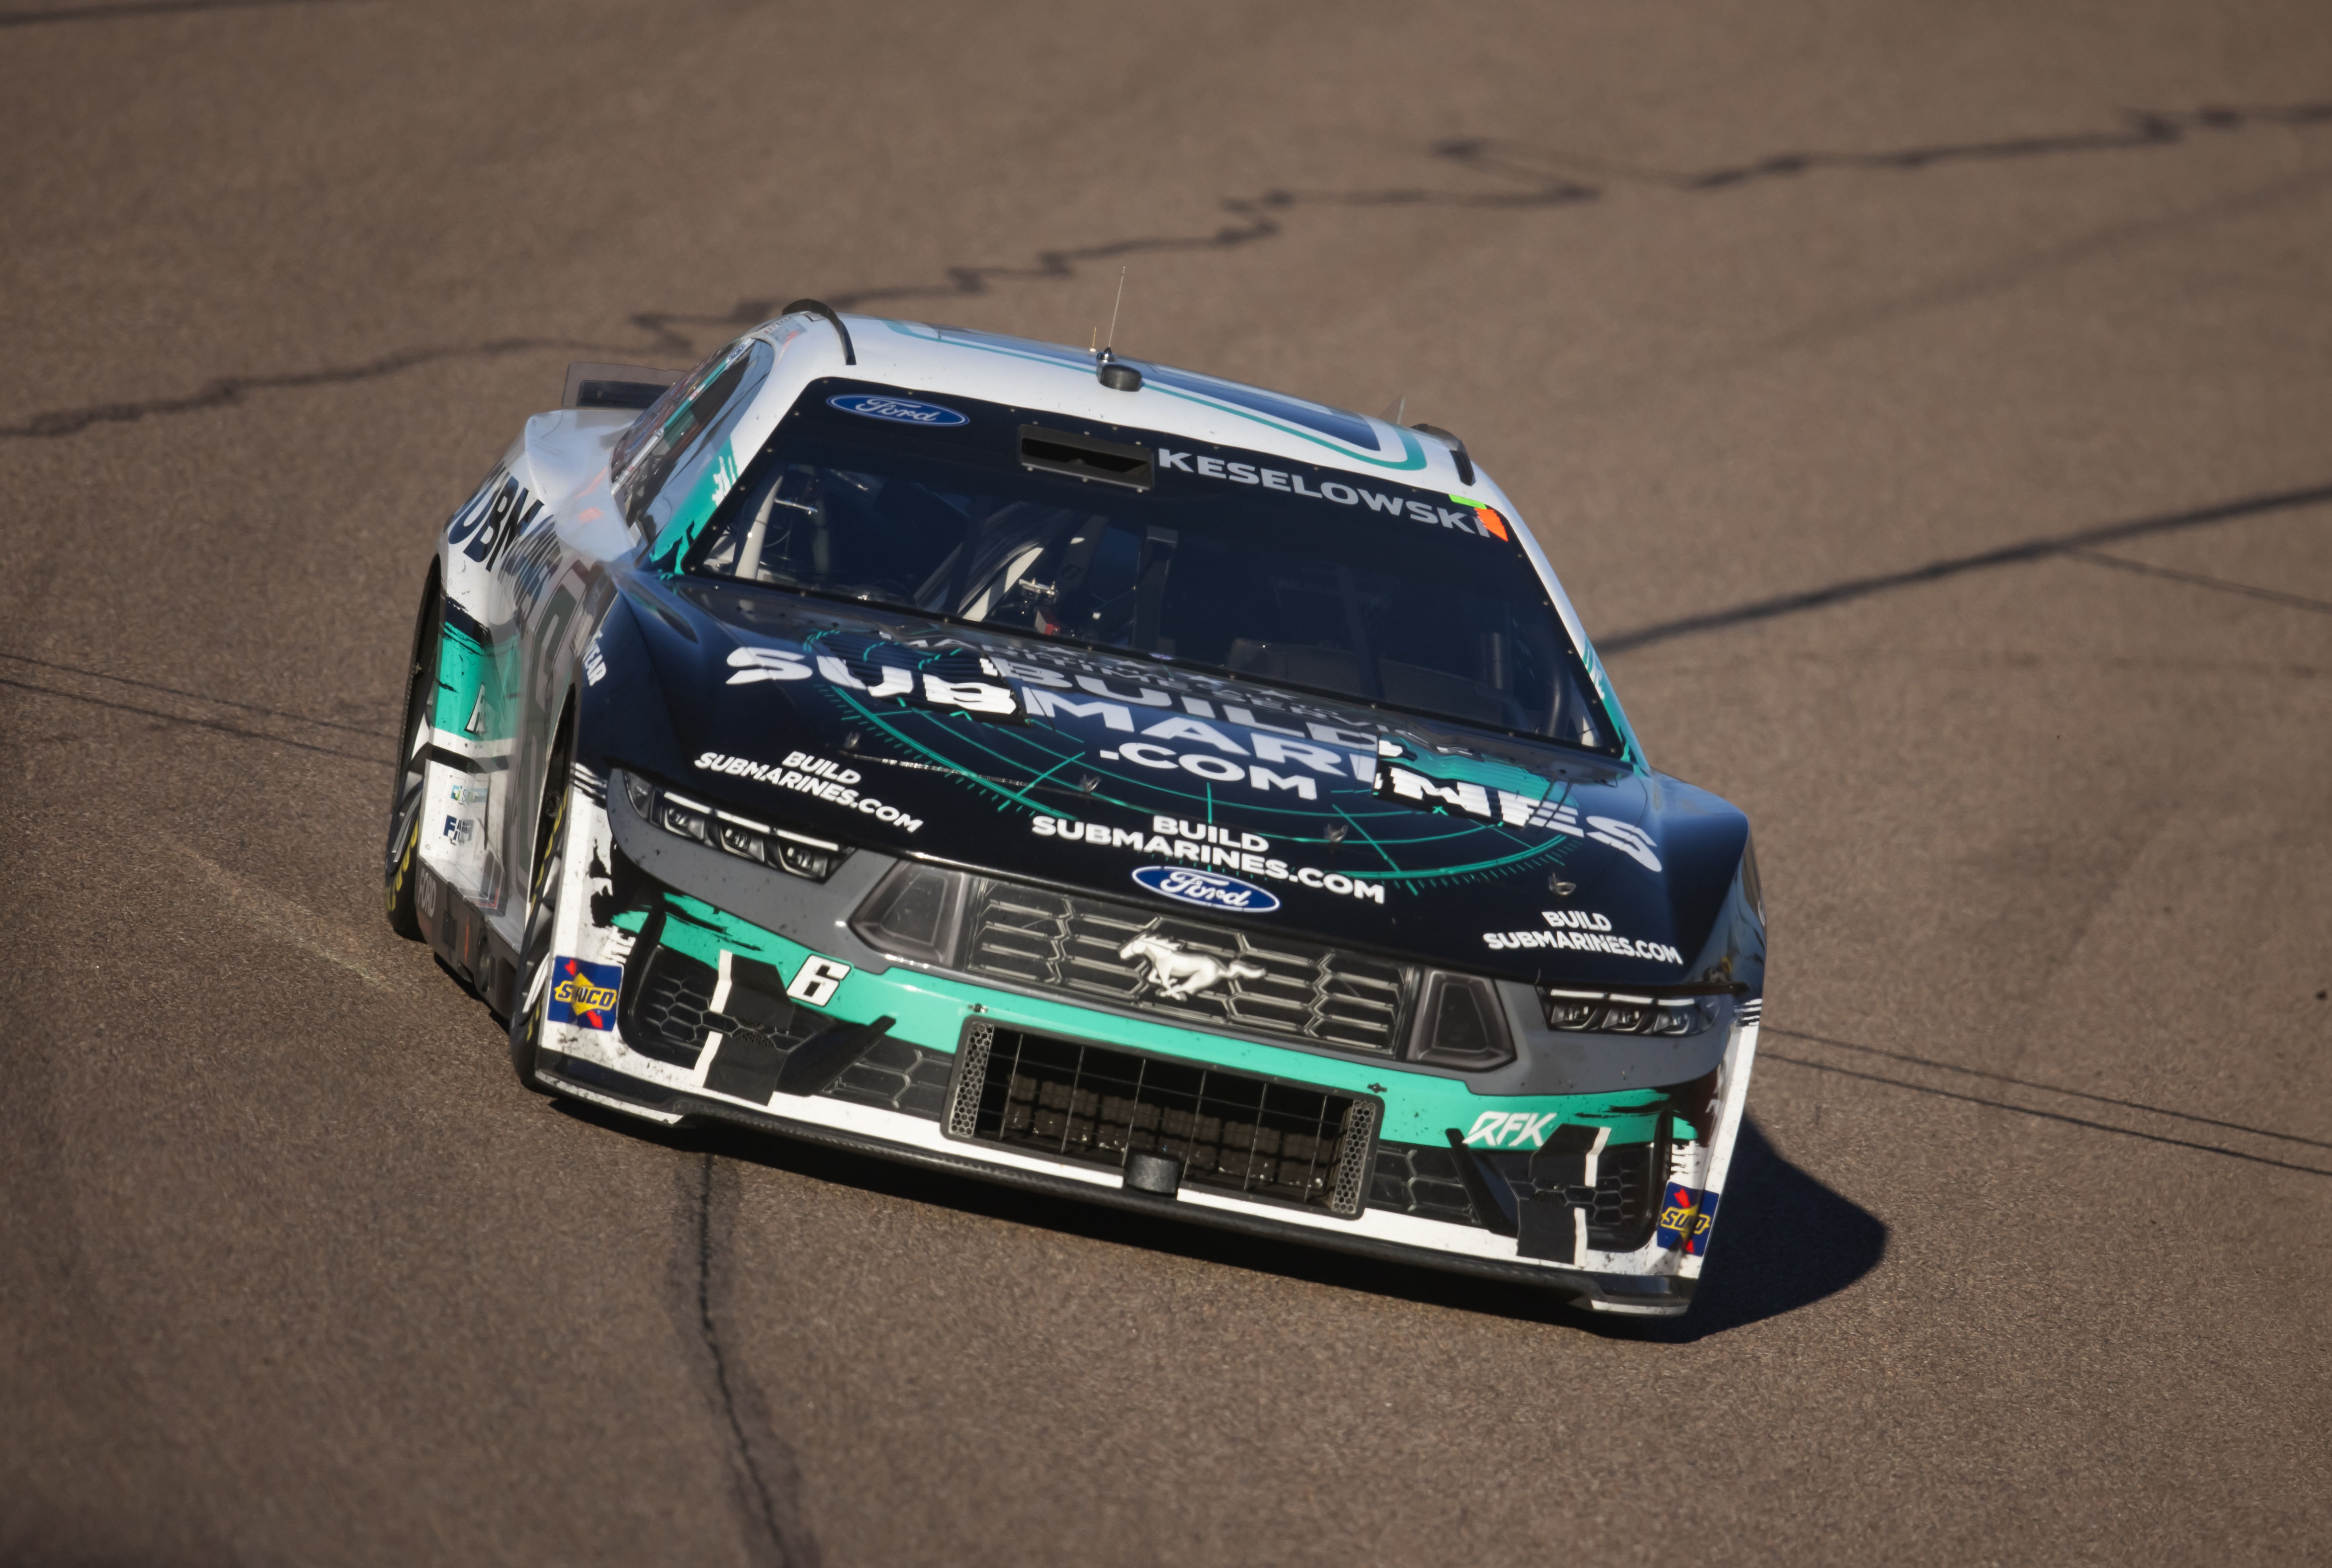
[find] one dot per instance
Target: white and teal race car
(1084, 774)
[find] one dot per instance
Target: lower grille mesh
(1233, 1132)
(669, 1008)
(667, 1014)
(1422, 1179)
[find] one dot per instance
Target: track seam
(772, 1546)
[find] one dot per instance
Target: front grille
(1255, 1138)
(666, 1010)
(667, 1014)
(1421, 1179)
(1620, 1220)
(1234, 979)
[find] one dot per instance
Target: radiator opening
(1259, 1138)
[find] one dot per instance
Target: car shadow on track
(1787, 1240)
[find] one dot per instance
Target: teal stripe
(931, 1011)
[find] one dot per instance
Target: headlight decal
(683, 816)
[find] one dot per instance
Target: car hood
(1180, 791)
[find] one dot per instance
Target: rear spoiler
(592, 385)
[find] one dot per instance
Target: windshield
(1208, 556)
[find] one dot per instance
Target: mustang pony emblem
(1180, 975)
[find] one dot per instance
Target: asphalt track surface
(1926, 405)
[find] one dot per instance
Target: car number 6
(816, 981)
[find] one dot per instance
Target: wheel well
(555, 766)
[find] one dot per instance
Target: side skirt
(460, 935)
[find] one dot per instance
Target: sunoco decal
(1686, 1219)
(898, 410)
(583, 994)
(1208, 889)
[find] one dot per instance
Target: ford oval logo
(899, 410)
(1208, 888)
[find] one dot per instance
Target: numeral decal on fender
(818, 980)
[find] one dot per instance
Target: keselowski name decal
(1467, 517)
(822, 778)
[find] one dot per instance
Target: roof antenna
(1395, 409)
(1115, 377)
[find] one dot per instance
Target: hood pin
(1559, 887)
(1087, 784)
(1334, 833)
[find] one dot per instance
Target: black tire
(535, 953)
(400, 856)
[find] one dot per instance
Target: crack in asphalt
(224, 390)
(775, 1534)
(1536, 178)
(1548, 179)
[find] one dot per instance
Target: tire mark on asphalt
(2040, 550)
(2273, 597)
(1966, 287)
(2048, 1088)
(210, 724)
(290, 920)
(144, 8)
(200, 696)
(769, 1489)
(1534, 177)
(1904, 1083)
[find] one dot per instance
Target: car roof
(1026, 372)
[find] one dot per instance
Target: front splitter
(1627, 1295)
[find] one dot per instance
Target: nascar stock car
(1084, 774)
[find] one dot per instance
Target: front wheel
(544, 894)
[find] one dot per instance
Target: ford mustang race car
(1084, 774)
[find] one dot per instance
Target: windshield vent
(1084, 456)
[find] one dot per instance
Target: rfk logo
(1180, 975)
